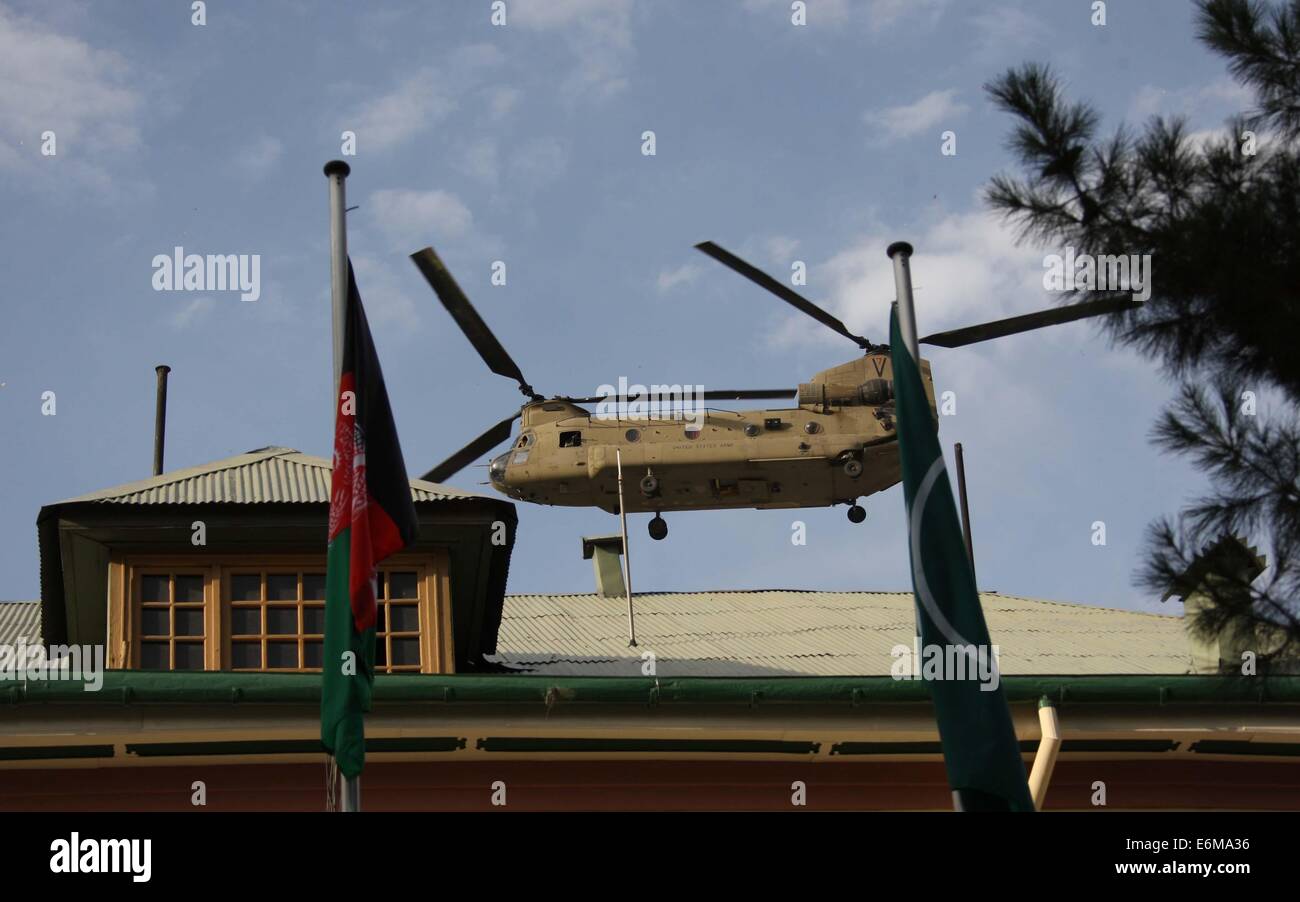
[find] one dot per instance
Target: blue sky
(523, 143)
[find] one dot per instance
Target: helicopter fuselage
(837, 445)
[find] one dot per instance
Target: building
(740, 700)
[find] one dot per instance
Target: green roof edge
(145, 687)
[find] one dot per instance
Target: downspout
(1049, 745)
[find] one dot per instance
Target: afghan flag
(980, 751)
(371, 517)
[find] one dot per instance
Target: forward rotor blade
(740, 395)
(1001, 328)
(791, 297)
(462, 311)
(465, 456)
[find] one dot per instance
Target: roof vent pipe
(160, 418)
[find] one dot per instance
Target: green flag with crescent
(958, 663)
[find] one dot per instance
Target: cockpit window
(525, 440)
(571, 439)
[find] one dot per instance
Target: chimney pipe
(160, 418)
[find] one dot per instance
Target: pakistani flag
(371, 517)
(980, 750)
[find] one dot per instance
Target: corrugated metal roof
(823, 633)
(792, 633)
(20, 620)
(270, 475)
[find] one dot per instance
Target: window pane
(282, 622)
(281, 654)
(189, 588)
(189, 655)
(381, 653)
(153, 622)
(246, 654)
(281, 587)
(313, 586)
(188, 621)
(312, 652)
(154, 588)
(405, 618)
(381, 618)
(245, 621)
(313, 620)
(402, 584)
(153, 656)
(406, 651)
(246, 587)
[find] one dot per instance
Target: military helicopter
(836, 446)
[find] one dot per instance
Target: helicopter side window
(571, 439)
(525, 440)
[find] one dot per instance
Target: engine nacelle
(871, 393)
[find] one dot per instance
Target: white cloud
(62, 84)
(386, 302)
(418, 218)
(1220, 98)
(256, 158)
(781, 248)
(539, 162)
(934, 109)
(599, 33)
(481, 160)
(682, 275)
(1002, 27)
(191, 312)
(885, 14)
(876, 15)
(967, 269)
(421, 100)
(502, 101)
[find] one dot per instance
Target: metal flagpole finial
(338, 167)
(901, 252)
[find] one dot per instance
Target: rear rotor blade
(739, 395)
(465, 456)
(1014, 325)
(791, 297)
(462, 311)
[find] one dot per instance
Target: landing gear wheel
(852, 468)
(857, 513)
(649, 485)
(658, 528)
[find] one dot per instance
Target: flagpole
(900, 252)
(627, 552)
(337, 172)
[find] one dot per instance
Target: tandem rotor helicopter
(838, 445)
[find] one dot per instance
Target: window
(277, 619)
(571, 439)
(269, 614)
(173, 629)
(397, 624)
